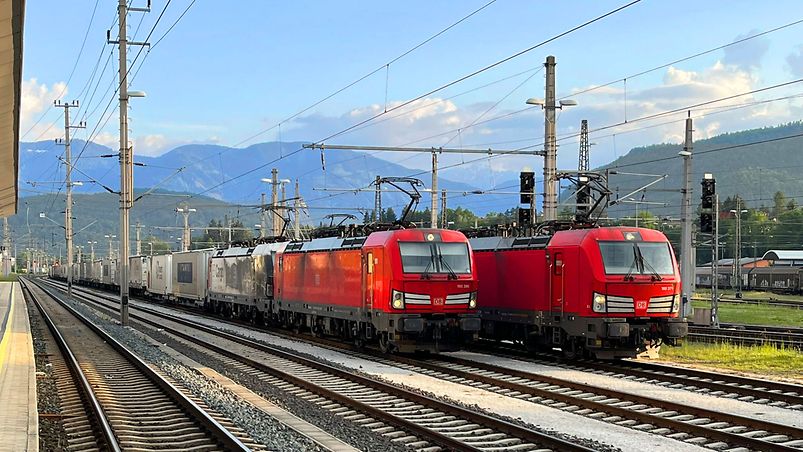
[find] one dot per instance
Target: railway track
(756, 301)
(760, 391)
(129, 406)
(419, 421)
(748, 335)
(721, 385)
(713, 429)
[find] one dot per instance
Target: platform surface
(19, 420)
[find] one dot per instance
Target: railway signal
(708, 195)
(526, 187)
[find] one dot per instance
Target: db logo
(641, 304)
(437, 301)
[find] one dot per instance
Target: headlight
(472, 300)
(676, 303)
(397, 300)
(598, 303)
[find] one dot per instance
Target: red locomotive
(605, 292)
(408, 289)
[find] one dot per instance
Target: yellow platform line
(6, 336)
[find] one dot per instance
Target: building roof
(742, 262)
(12, 15)
(784, 255)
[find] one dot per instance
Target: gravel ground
(574, 428)
(260, 336)
(261, 427)
(346, 431)
(52, 436)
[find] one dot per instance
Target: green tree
(153, 245)
(779, 204)
(389, 215)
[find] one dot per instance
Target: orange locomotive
(607, 292)
(408, 289)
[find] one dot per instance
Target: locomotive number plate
(641, 304)
(437, 301)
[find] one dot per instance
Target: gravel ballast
(258, 425)
(571, 427)
(52, 436)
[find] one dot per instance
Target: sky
(231, 73)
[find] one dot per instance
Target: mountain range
(753, 164)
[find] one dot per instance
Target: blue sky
(229, 70)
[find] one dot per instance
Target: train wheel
(571, 350)
(359, 342)
(384, 344)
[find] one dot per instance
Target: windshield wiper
(645, 264)
(426, 274)
(633, 266)
(452, 274)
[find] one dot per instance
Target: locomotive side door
(369, 276)
(557, 287)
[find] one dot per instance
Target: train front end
(424, 283)
(632, 299)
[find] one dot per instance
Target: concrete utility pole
(274, 197)
(686, 253)
(92, 250)
(139, 239)
(377, 200)
(186, 234)
(263, 219)
(68, 234)
(296, 213)
(715, 268)
(433, 217)
(550, 151)
(737, 261)
(126, 152)
(111, 250)
(550, 144)
(444, 218)
(6, 248)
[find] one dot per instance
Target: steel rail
(425, 433)
(675, 425)
(759, 389)
(103, 426)
(220, 433)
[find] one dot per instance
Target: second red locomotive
(605, 292)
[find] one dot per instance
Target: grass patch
(756, 314)
(11, 277)
(750, 294)
(764, 359)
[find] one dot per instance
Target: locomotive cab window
(435, 257)
(636, 258)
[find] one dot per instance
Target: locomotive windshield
(435, 257)
(634, 258)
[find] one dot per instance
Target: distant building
(745, 262)
(793, 258)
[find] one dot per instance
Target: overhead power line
(365, 76)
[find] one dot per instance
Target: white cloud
(107, 139)
(35, 98)
(151, 145)
(794, 62)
